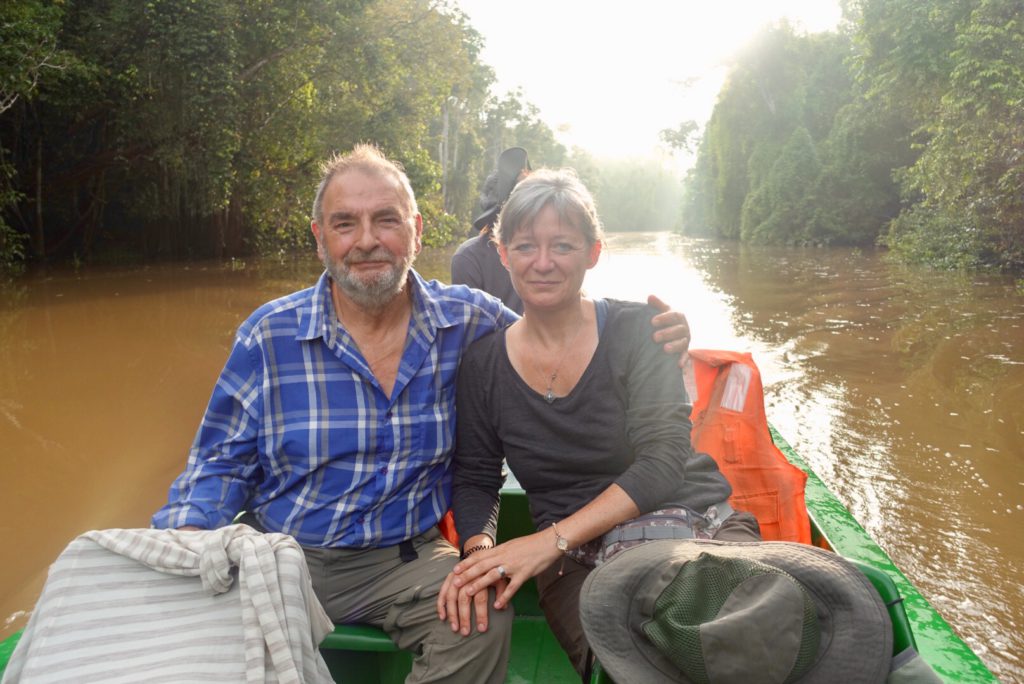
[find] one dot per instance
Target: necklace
(549, 395)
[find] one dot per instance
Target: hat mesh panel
(696, 596)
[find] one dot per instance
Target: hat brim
(511, 163)
(856, 634)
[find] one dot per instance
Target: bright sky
(610, 75)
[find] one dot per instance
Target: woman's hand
(506, 567)
(518, 559)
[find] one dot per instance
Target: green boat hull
(357, 654)
(834, 527)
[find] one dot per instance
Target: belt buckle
(704, 526)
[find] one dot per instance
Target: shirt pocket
(432, 423)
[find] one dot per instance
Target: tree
(856, 194)
(683, 137)
(29, 55)
(780, 210)
(782, 83)
(179, 128)
(636, 195)
(953, 70)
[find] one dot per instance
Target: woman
(591, 418)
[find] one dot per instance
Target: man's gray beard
(379, 290)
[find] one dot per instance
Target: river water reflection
(903, 388)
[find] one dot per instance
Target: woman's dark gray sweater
(626, 422)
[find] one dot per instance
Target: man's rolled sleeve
(223, 462)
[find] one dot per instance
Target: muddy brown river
(903, 388)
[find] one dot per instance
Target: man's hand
(453, 605)
(506, 567)
(671, 329)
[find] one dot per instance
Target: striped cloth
(126, 606)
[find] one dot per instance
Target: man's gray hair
(560, 189)
(368, 159)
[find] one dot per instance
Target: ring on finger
(501, 572)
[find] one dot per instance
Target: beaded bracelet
(474, 549)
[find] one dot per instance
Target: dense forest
(134, 130)
(905, 128)
(141, 129)
(183, 128)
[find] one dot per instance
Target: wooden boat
(359, 654)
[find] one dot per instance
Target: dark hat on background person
(738, 612)
(511, 164)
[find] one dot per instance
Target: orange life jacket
(729, 423)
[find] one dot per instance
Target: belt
(712, 519)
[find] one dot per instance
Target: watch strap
(561, 543)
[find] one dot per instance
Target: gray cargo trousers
(379, 588)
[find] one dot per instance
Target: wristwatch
(561, 543)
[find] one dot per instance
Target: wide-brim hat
(511, 164)
(709, 611)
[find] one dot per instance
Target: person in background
(591, 419)
(475, 262)
(333, 421)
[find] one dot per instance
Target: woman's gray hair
(560, 189)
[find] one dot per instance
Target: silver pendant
(550, 396)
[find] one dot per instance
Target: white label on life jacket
(690, 381)
(736, 385)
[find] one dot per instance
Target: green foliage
(907, 129)
(782, 83)
(12, 248)
(956, 72)
(779, 211)
(636, 195)
(855, 193)
(923, 235)
(12, 243)
(973, 166)
(682, 137)
(29, 56)
(902, 50)
(28, 47)
(194, 127)
(512, 122)
(439, 228)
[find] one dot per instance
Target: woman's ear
(503, 254)
(595, 254)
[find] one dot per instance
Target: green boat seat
(358, 638)
(360, 653)
(902, 635)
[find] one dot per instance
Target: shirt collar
(427, 306)
(427, 310)
(313, 319)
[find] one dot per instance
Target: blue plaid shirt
(299, 432)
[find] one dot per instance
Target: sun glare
(610, 76)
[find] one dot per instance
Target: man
(476, 262)
(333, 422)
